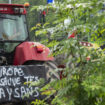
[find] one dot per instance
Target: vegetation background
(83, 82)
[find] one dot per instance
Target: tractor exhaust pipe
(9, 1)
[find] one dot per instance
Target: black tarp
(14, 79)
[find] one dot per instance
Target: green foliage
(38, 102)
(83, 82)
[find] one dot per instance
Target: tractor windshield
(13, 31)
(13, 27)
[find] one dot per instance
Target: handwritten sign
(12, 79)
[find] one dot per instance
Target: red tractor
(20, 59)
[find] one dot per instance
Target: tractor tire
(50, 68)
(51, 73)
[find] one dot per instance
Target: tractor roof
(12, 9)
(12, 5)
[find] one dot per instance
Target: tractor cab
(15, 46)
(13, 28)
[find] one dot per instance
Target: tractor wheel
(51, 70)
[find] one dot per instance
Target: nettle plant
(83, 82)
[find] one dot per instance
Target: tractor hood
(28, 51)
